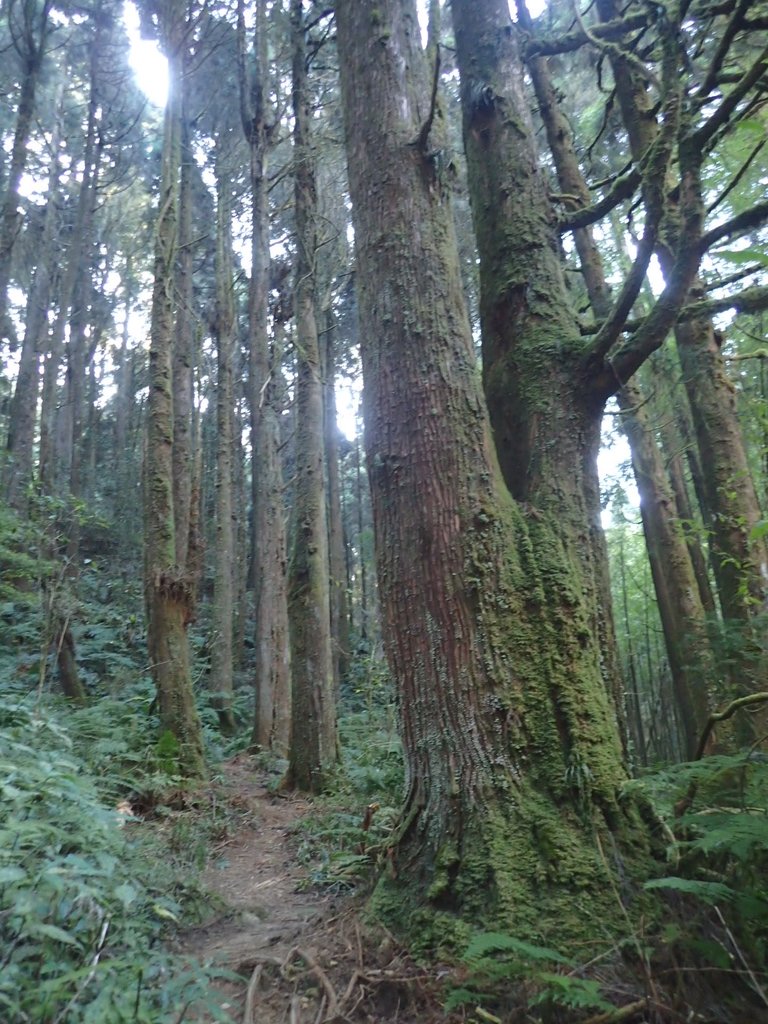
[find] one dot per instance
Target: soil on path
(305, 957)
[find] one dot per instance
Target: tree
(269, 558)
(313, 749)
(512, 751)
(168, 590)
(29, 26)
(224, 332)
(740, 553)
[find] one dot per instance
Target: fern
(710, 892)
(495, 942)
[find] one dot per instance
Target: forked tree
(513, 758)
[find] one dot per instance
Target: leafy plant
(502, 968)
(84, 909)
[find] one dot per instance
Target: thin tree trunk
(168, 592)
(19, 467)
(271, 727)
(313, 748)
(183, 352)
(339, 610)
(677, 594)
(224, 333)
(30, 40)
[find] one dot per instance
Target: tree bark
(509, 737)
(183, 351)
(313, 748)
(224, 333)
(272, 679)
(168, 591)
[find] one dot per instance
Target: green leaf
(710, 892)
(50, 931)
(744, 256)
(496, 942)
(11, 874)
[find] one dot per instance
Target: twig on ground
(322, 977)
(619, 1014)
(250, 995)
(295, 1010)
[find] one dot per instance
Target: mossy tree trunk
(271, 727)
(313, 747)
(168, 589)
(512, 753)
(680, 607)
(544, 400)
(183, 349)
(224, 333)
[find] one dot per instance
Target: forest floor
(304, 957)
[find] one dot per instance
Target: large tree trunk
(681, 611)
(224, 333)
(313, 748)
(544, 406)
(168, 591)
(271, 727)
(512, 752)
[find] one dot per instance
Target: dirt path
(305, 957)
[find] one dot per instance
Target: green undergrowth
(701, 954)
(88, 901)
(340, 840)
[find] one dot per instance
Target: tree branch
(623, 188)
(723, 113)
(722, 716)
(750, 300)
(738, 225)
(608, 30)
(718, 58)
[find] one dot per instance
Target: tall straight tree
(272, 721)
(168, 590)
(313, 748)
(513, 759)
(30, 26)
(224, 333)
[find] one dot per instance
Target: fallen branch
(249, 1016)
(322, 977)
(619, 1014)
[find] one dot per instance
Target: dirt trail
(305, 958)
